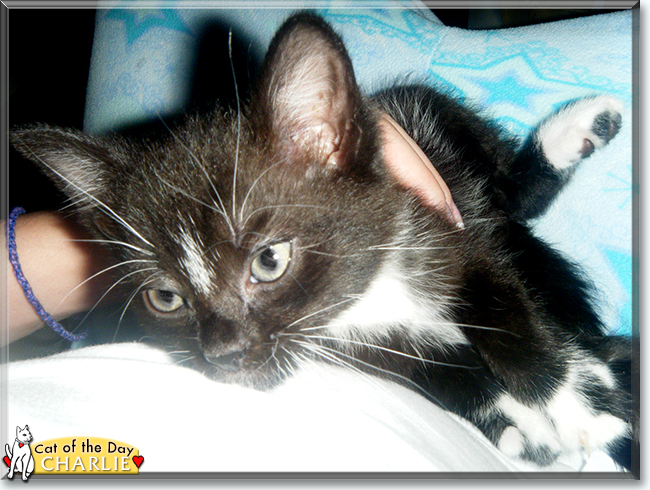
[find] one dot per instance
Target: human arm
(55, 260)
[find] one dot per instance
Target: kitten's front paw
(568, 425)
(532, 437)
(514, 443)
(579, 129)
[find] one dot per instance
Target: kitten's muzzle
(231, 362)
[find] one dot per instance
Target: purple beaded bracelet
(20, 277)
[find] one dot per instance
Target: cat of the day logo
(70, 455)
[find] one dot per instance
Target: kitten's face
(235, 282)
(243, 235)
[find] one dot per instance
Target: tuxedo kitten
(259, 239)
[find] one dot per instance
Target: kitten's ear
(72, 160)
(308, 93)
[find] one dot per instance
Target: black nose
(228, 362)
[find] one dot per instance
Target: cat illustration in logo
(20, 455)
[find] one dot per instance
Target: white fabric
(324, 419)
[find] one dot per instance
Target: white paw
(579, 426)
(532, 437)
(578, 129)
(567, 425)
(512, 442)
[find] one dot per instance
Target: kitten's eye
(271, 263)
(163, 301)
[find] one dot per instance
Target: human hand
(412, 168)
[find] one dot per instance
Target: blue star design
(509, 89)
(622, 187)
(138, 21)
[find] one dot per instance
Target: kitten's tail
(8, 451)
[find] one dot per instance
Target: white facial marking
(193, 263)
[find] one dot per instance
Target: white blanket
(323, 420)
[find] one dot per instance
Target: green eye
(271, 262)
(163, 301)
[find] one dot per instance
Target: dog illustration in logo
(20, 455)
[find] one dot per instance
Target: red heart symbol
(138, 460)
(7, 460)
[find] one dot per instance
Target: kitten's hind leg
(578, 129)
(546, 160)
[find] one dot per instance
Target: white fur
(576, 424)
(562, 136)
(567, 424)
(601, 371)
(530, 422)
(389, 305)
(194, 264)
(511, 442)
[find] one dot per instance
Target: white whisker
(114, 242)
(436, 270)
(234, 76)
(326, 354)
(380, 247)
(317, 244)
(309, 329)
(370, 379)
(102, 206)
(432, 323)
(98, 274)
(341, 256)
(112, 287)
(391, 351)
(221, 208)
(128, 303)
(282, 206)
(319, 311)
(185, 359)
(189, 196)
(341, 362)
(332, 356)
(250, 189)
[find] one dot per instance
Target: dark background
(49, 57)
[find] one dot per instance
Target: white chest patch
(391, 305)
(194, 264)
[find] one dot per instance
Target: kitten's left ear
(73, 160)
(309, 95)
